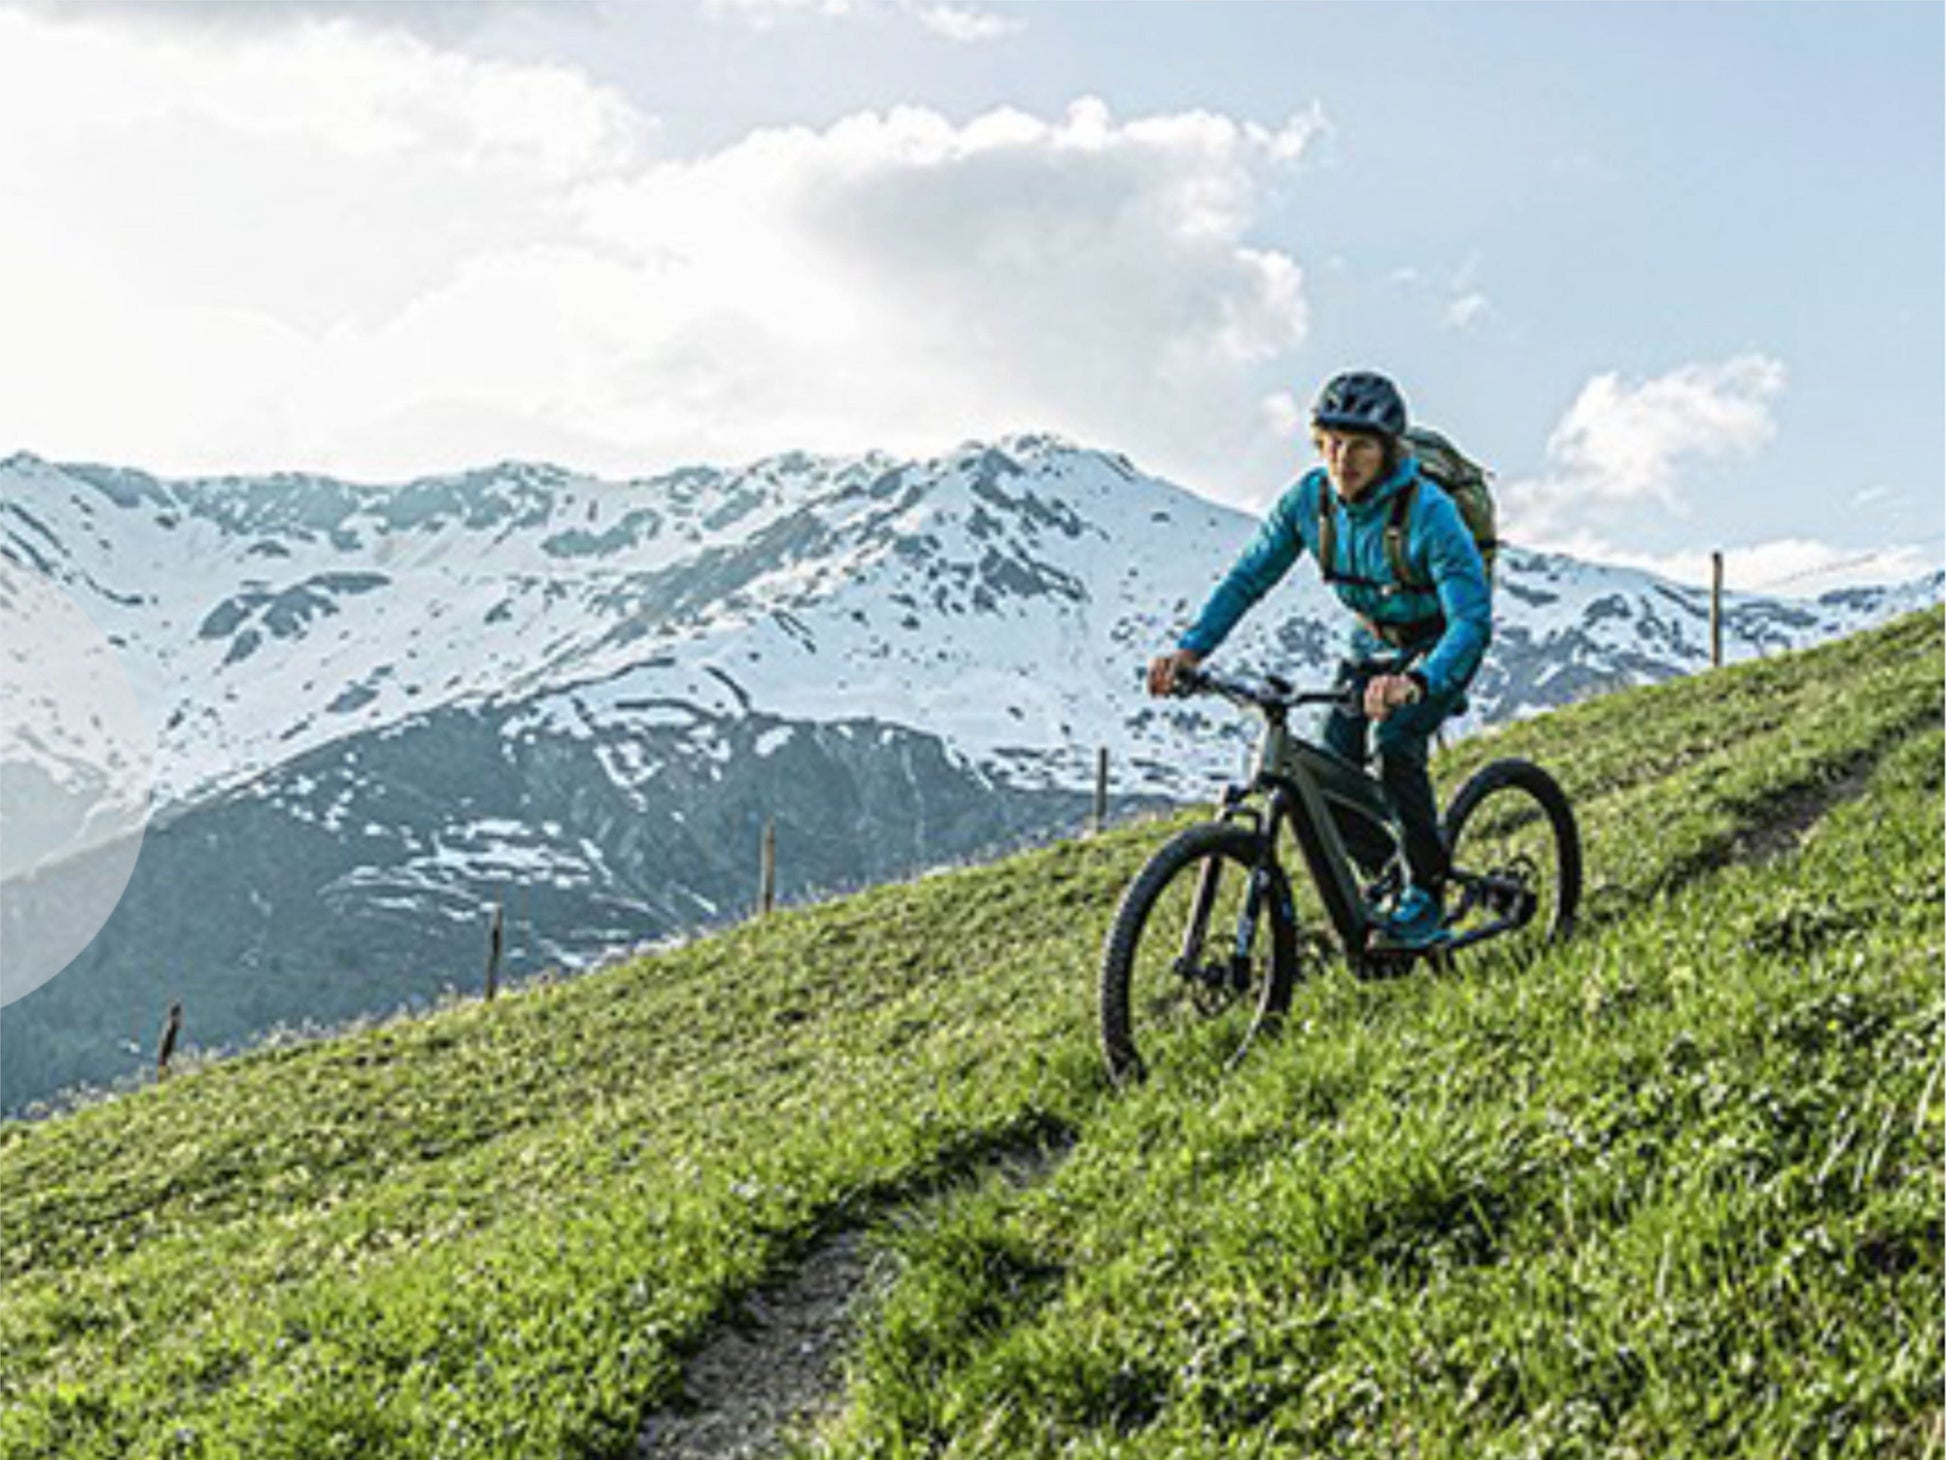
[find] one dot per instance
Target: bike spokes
(1217, 963)
(1200, 956)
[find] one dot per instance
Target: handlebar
(1269, 695)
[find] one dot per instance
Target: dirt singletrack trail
(774, 1367)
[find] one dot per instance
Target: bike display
(1206, 950)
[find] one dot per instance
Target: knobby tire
(1498, 790)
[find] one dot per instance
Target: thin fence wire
(1840, 565)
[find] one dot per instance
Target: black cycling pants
(1404, 743)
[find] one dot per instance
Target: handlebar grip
(1189, 680)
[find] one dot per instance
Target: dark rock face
(360, 878)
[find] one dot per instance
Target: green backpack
(1458, 475)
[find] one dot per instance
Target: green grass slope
(1674, 1191)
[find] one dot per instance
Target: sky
(1676, 272)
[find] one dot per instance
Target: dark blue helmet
(1360, 400)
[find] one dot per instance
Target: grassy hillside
(1675, 1191)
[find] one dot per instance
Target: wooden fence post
(523, 939)
(1100, 818)
(767, 875)
(1716, 610)
(496, 938)
(166, 1050)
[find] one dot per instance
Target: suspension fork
(1247, 920)
(1262, 882)
(1189, 958)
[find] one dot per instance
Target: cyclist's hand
(1164, 668)
(1388, 692)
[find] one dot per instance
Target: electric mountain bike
(1205, 950)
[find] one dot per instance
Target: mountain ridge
(699, 553)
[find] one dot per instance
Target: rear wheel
(1202, 955)
(1516, 855)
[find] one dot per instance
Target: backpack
(1460, 477)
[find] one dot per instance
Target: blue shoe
(1418, 922)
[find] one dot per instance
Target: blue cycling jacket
(1453, 620)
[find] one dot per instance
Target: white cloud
(1799, 566)
(1467, 310)
(1458, 301)
(965, 23)
(1284, 415)
(1624, 442)
(1620, 444)
(339, 249)
(765, 13)
(328, 86)
(961, 23)
(1788, 567)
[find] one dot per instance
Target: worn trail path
(774, 1368)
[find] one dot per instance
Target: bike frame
(1304, 782)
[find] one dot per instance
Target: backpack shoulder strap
(1327, 531)
(1396, 530)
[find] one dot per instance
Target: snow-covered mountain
(378, 708)
(1000, 598)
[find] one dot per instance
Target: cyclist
(1437, 635)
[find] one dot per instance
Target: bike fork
(1253, 904)
(1190, 955)
(1193, 934)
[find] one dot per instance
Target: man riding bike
(1438, 633)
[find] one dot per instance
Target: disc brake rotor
(1210, 988)
(1513, 887)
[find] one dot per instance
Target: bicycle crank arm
(1480, 935)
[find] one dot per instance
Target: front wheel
(1516, 855)
(1202, 954)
